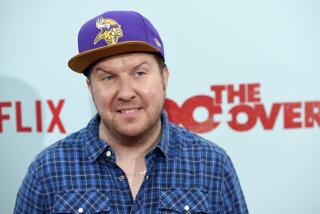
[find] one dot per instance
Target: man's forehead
(131, 59)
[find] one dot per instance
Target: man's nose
(126, 91)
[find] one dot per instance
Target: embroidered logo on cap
(110, 31)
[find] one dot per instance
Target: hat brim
(80, 62)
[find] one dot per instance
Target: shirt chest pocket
(81, 201)
(184, 201)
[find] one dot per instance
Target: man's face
(128, 91)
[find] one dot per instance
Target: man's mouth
(128, 110)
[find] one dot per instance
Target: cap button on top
(80, 210)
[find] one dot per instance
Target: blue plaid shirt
(78, 174)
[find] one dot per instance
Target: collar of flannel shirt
(96, 146)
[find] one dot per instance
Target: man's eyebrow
(141, 64)
(99, 68)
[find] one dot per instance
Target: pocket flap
(85, 201)
(184, 200)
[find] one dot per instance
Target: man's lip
(128, 109)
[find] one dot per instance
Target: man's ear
(165, 77)
(89, 84)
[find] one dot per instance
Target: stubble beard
(116, 130)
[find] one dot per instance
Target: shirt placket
(120, 180)
(137, 206)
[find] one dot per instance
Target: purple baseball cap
(113, 33)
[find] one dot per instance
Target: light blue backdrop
(272, 42)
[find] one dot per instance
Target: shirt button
(121, 178)
(80, 210)
(108, 153)
(147, 177)
(186, 208)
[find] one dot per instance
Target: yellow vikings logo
(110, 31)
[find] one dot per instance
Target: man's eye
(140, 73)
(109, 77)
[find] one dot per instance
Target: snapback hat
(113, 33)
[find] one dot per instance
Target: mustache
(123, 105)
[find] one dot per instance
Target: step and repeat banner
(243, 74)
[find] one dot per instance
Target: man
(130, 158)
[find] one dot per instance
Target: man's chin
(133, 129)
(135, 132)
(131, 132)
